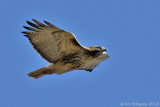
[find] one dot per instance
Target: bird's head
(96, 51)
(100, 53)
(100, 49)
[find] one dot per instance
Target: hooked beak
(104, 49)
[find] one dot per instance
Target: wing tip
(32, 24)
(34, 19)
(24, 32)
(39, 23)
(49, 24)
(25, 27)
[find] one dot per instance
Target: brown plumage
(61, 49)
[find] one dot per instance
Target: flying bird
(61, 49)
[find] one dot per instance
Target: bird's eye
(99, 48)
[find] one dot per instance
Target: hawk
(61, 49)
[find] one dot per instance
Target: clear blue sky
(129, 29)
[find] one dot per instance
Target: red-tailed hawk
(62, 50)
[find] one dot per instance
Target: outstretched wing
(51, 42)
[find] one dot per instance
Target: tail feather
(41, 72)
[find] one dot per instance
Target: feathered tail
(41, 72)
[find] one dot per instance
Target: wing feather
(49, 24)
(29, 28)
(51, 42)
(39, 23)
(33, 25)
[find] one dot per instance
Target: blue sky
(129, 29)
